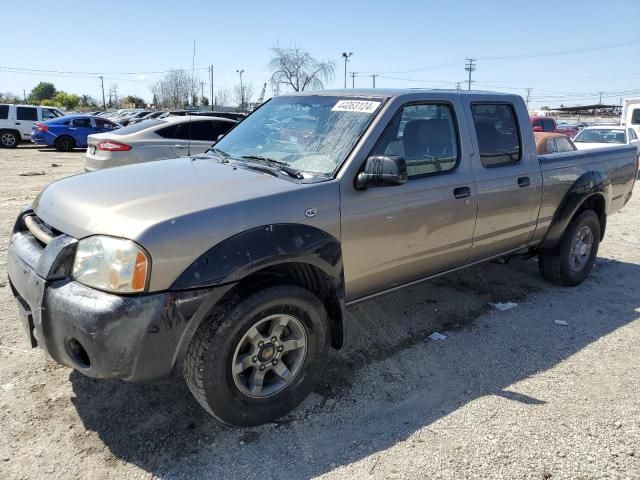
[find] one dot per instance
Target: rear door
(194, 137)
(507, 178)
(395, 235)
(79, 129)
(26, 117)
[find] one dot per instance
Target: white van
(631, 114)
(16, 122)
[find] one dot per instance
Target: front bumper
(100, 334)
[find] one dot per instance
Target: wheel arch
(275, 254)
(592, 191)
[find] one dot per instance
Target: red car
(548, 124)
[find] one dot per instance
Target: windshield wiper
(224, 156)
(283, 166)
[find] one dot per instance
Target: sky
(566, 53)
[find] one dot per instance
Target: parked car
(547, 143)
(155, 139)
(238, 265)
(631, 114)
(126, 120)
(16, 122)
(230, 115)
(548, 124)
(148, 116)
(69, 132)
(599, 136)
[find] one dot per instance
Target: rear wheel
(65, 143)
(9, 139)
(256, 359)
(571, 261)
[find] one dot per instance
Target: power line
(37, 70)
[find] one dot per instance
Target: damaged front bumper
(102, 335)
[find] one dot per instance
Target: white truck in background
(631, 114)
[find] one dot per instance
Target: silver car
(155, 139)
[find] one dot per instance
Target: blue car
(67, 133)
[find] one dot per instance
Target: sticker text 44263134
(362, 106)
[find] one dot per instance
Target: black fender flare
(251, 251)
(588, 185)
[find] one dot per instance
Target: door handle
(18, 123)
(462, 192)
(524, 181)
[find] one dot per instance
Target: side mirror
(382, 171)
(537, 129)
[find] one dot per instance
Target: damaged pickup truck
(236, 265)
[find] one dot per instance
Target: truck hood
(127, 201)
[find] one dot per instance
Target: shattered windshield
(311, 134)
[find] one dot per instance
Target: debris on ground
(503, 306)
(437, 336)
(561, 322)
(30, 174)
(56, 165)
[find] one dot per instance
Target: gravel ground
(509, 394)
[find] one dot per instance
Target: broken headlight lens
(111, 264)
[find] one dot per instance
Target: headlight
(111, 264)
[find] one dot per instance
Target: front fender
(587, 186)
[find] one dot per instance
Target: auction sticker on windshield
(364, 106)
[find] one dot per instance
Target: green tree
(86, 101)
(204, 101)
(42, 91)
(135, 101)
(67, 100)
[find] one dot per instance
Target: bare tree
(174, 90)
(243, 95)
(223, 97)
(113, 95)
(297, 69)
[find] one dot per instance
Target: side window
(220, 128)
(425, 135)
(4, 112)
(48, 114)
(200, 131)
(169, 132)
(547, 125)
(635, 117)
(27, 113)
(537, 123)
(498, 134)
(564, 145)
(102, 123)
(632, 134)
(81, 122)
(551, 146)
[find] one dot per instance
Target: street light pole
(346, 56)
(240, 72)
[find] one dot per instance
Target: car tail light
(42, 127)
(113, 146)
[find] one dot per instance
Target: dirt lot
(509, 394)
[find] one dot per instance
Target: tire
(9, 139)
(64, 143)
(568, 267)
(218, 345)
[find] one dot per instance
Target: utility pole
(240, 72)
(458, 85)
(374, 79)
(104, 104)
(470, 67)
(528, 96)
(600, 101)
(201, 91)
(353, 79)
(211, 76)
(24, 95)
(346, 56)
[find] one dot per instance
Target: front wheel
(571, 261)
(257, 359)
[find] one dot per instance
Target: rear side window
(220, 128)
(198, 131)
(498, 135)
(4, 112)
(547, 125)
(169, 132)
(81, 122)
(564, 145)
(138, 127)
(635, 117)
(29, 114)
(102, 123)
